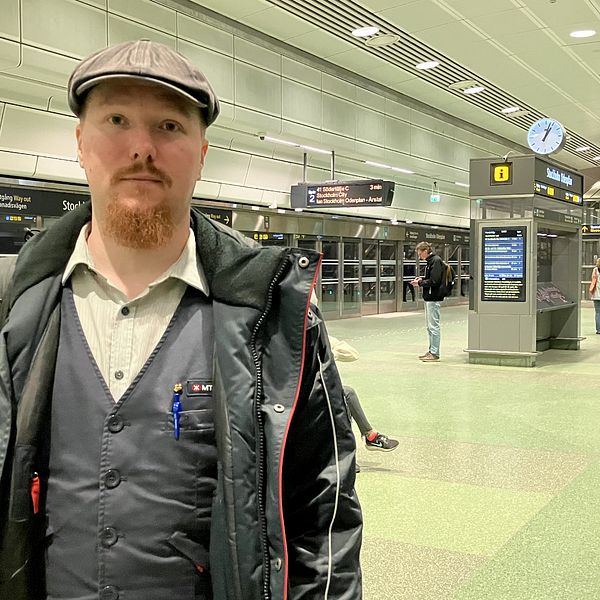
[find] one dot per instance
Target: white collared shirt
(122, 333)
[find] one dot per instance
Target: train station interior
(431, 106)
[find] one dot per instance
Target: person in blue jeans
(431, 283)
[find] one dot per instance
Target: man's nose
(142, 146)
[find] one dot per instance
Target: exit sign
(434, 198)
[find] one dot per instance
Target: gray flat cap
(146, 60)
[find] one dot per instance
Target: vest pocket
(21, 505)
(198, 556)
(201, 420)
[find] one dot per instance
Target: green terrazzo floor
(494, 491)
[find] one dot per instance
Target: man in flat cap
(172, 424)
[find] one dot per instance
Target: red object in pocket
(35, 493)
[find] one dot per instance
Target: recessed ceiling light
(510, 109)
(365, 31)
(377, 164)
(476, 89)
(378, 221)
(461, 85)
(428, 64)
(461, 184)
(382, 40)
(596, 158)
(401, 170)
(582, 148)
(408, 221)
(582, 33)
(518, 113)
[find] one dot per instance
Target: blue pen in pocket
(176, 408)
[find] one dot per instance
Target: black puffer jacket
(432, 281)
(286, 523)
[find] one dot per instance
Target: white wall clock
(546, 136)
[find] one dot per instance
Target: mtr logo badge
(501, 174)
(199, 388)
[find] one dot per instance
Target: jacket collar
(238, 272)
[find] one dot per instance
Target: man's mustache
(141, 169)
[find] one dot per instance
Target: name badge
(199, 388)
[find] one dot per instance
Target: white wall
(260, 91)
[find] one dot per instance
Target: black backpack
(448, 280)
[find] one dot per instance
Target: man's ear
(203, 152)
(78, 138)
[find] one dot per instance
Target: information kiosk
(526, 216)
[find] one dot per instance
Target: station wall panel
(227, 167)
(370, 126)
(147, 13)
(204, 35)
(9, 55)
(260, 174)
(217, 67)
(301, 104)
(22, 127)
(19, 165)
(64, 26)
(9, 23)
(257, 89)
(339, 116)
(301, 72)
(125, 30)
(59, 170)
(262, 58)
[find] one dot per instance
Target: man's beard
(139, 227)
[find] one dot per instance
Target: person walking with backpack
(433, 293)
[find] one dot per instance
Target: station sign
(261, 236)
(36, 201)
(12, 232)
(503, 263)
(501, 173)
(332, 194)
(217, 214)
(414, 234)
(552, 215)
(590, 228)
(557, 183)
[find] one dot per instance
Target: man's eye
(170, 126)
(116, 120)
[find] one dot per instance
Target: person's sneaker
(430, 357)
(424, 355)
(381, 442)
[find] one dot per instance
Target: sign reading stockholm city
(330, 194)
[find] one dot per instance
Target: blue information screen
(503, 264)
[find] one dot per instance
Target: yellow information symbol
(501, 173)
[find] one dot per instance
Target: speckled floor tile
(409, 572)
(525, 469)
(457, 517)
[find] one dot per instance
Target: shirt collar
(187, 267)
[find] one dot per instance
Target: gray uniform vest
(129, 505)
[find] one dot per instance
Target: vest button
(109, 592)
(108, 537)
(278, 564)
(278, 408)
(115, 424)
(112, 478)
(118, 374)
(125, 311)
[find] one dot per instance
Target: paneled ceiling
(519, 50)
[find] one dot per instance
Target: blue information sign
(503, 264)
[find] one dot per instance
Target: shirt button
(112, 478)
(115, 424)
(109, 592)
(119, 375)
(125, 311)
(108, 537)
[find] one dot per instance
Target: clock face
(546, 136)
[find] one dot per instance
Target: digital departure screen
(503, 264)
(367, 192)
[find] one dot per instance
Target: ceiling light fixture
(476, 89)
(384, 166)
(386, 39)
(582, 33)
(582, 149)
(428, 64)
(377, 164)
(365, 31)
(461, 184)
(268, 138)
(510, 109)
(596, 158)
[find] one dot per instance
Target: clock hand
(547, 132)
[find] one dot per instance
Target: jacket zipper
(261, 432)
